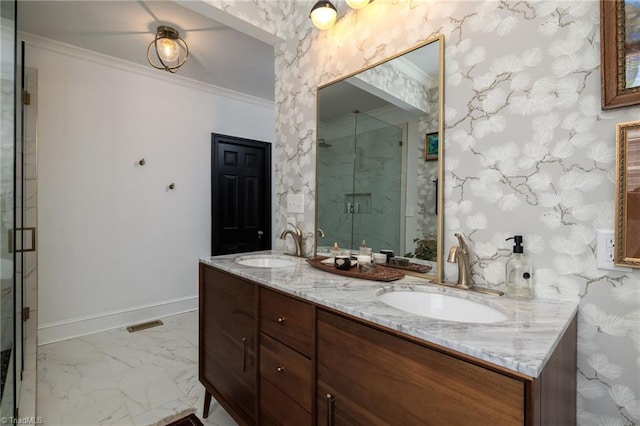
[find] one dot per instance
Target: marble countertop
(522, 343)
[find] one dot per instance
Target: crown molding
(117, 63)
(414, 71)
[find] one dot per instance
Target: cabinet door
(228, 341)
(366, 376)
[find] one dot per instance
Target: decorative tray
(381, 273)
(412, 267)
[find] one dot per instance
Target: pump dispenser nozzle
(517, 239)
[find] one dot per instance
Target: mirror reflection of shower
(323, 144)
(361, 173)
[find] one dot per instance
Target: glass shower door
(361, 187)
(378, 185)
(8, 296)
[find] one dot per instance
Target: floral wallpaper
(528, 151)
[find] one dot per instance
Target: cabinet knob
(280, 320)
(280, 369)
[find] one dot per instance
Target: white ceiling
(218, 55)
(344, 96)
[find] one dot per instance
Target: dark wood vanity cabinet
(369, 376)
(273, 359)
(228, 342)
(366, 376)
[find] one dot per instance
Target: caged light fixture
(169, 48)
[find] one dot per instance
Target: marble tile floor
(121, 378)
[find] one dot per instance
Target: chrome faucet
(296, 234)
(460, 254)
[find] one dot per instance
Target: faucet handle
(452, 254)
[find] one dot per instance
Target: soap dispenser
(519, 278)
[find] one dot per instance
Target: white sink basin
(265, 261)
(442, 306)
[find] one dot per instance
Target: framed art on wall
(620, 52)
(627, 195)
(431, 146)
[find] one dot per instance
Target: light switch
(295, 203)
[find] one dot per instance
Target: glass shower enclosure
(10, 288)
(360, 184)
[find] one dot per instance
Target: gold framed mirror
(379, 157)
(627, 195)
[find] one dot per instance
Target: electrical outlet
(605, 251)
(295, 203)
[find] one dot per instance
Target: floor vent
(143, 326)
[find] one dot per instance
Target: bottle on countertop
(519, 276)
(364, 249)
(335, 250)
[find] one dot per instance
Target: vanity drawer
(287, 370)
(276, 408)
(287, 319)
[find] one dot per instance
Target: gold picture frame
(627, 195)
(431, 146)
(620, 52)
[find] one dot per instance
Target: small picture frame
(620, 52)
(431, 146)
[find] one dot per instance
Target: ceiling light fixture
(168, 46)
(358, 4)
(323, 14)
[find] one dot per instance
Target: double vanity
(284, 343)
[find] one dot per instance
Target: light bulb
(168, 49)
(323, 15)
(357, 4)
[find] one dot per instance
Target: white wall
(112, 237)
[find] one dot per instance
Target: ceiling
(218, 55)
(345, 96)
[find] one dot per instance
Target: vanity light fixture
(358, 4)
(168, 47)
(323, 14)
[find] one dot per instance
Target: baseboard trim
(75, 327)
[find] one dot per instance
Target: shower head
(323, 144)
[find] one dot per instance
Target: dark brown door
(240, 195)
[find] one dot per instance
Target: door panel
(240, 195)
(228, 341)
(9, 299)
(367, 377)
